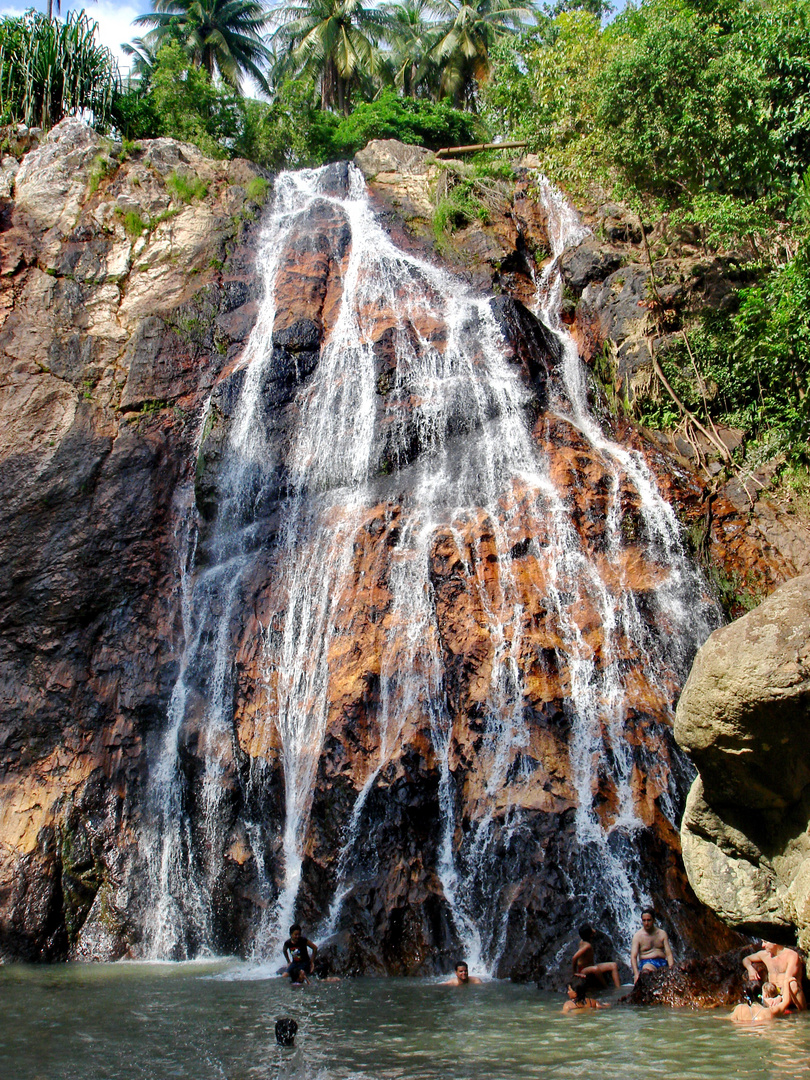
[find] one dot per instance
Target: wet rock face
(707, 982)
(743, 718)
(123, 311)
(110, 342)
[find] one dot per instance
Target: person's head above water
(286, 1029)
(576, 988)
(770, 990)
(752, 990)
(462, 971)
(586, 932)
(297, 974)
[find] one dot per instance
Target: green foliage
(50, 69)
(134, 225)
(103, 166)
(186, 188)
(410, 120)
(257, 189)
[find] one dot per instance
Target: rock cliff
(129, 292)
(743, 717)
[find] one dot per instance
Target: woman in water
(772, 1005)
(576, 997)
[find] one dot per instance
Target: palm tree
(333, 41)
(413, 38)
(222, 36)
(144, 59)
(469, 28)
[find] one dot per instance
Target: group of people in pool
(780, 994)
(766, 999)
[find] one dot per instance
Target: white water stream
(460, 458)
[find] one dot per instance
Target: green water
(216, 1020)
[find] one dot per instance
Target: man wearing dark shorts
(297, 950)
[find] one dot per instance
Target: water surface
(215, 1021)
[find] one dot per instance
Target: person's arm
(748, 964)
(779, 1006)
(314, 948)
(634, 957)
(668, 951)
(286, 952)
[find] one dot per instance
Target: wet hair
(286, 1029)
(752, 990)
(461, 963)
(586, 931)
(648, 911)
(770, 990)
(579, 984)
(295, 972)
(295, 927)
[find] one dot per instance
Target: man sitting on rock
(650, 949)
(584, 962)
(784, 967)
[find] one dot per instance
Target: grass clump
(186, 188)
(257, 189)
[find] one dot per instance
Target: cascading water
(438, 444)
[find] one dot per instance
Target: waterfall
(439, 454)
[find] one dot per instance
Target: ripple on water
(209, 1023)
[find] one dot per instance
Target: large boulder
(744, 717)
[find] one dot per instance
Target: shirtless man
(462, 976)
(784, 968)
(584, 961)
(650, 949)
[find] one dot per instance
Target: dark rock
(708, 982)
(588, 262)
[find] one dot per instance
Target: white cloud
(114, 21)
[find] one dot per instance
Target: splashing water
(439, 449)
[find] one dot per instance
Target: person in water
(784, 967)
(584, 961)
(650, 949)
(756, 1011)
(577, 1001)
(297, 950)
(462, 976)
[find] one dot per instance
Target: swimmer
(772, 1006)
(462, 976)
(286, 1029)
(584, 961)
(650, 949)
(577, 1001)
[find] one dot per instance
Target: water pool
(215, 1021)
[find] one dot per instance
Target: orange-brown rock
(111, 344)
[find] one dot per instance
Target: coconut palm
(222, 36)
(413, 37)
(469, 28)
(333, 42)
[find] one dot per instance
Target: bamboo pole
(451, 151)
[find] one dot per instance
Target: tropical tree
(413, 36)
(222, 36)
(333, 42)
(50, 69)
(468, 30)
